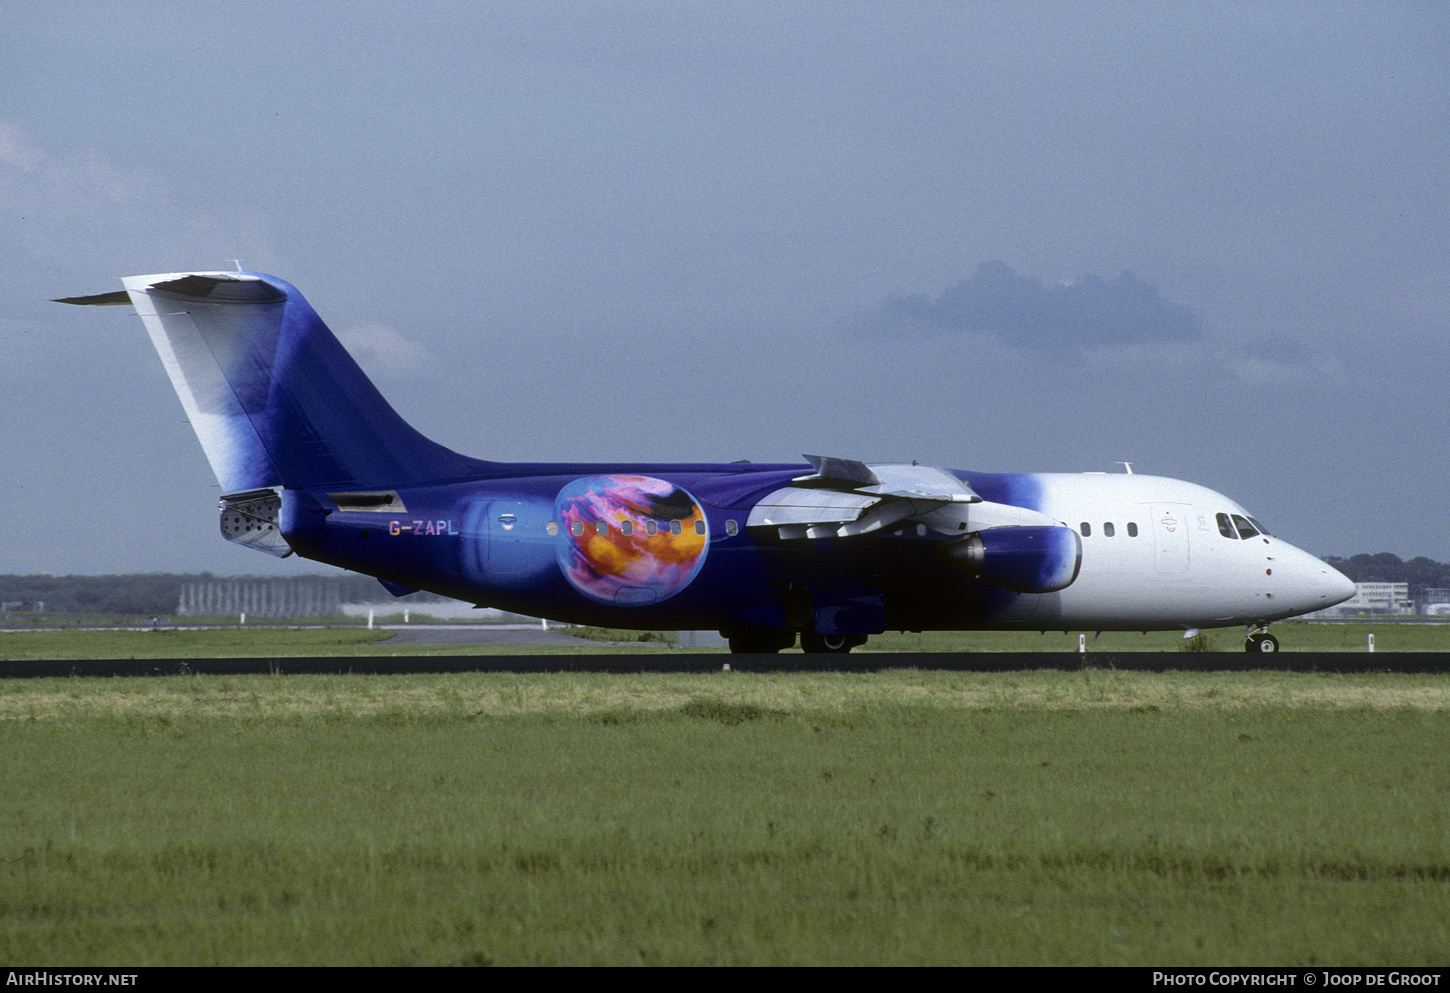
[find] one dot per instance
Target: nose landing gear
(1261, 641)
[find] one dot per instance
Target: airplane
(312, 460)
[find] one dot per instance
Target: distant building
(1373, 599)
(305, 596)
(1435, 602)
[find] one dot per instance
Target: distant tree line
(1419, 572)
(150, 593)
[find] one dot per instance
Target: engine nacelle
(1022, 559)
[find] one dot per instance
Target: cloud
(387, 352)
(15, 150)
(1078, 317)
(1281, 361)
(83, 214)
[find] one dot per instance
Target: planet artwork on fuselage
(631, 539)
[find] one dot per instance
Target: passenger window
(731, 528)
(1108, 530)
(1086, 528)
(676, 528)
(651, 528)
(602, 527)
(626, 528)
(552, 529)
(1224, 527)
(699, 527)
(1246, 530)
(577, 529)
(1132, 530)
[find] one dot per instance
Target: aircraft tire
(1261, 643)
(760, 643)
(830, 644)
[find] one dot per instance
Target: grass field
(905, 817)
(266, 642)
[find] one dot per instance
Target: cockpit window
(1255, 522)
(1224, 527)
(1246, 530)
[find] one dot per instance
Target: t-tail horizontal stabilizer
(273, 396)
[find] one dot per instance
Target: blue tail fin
(273, 396)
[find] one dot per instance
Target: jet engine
(1025, 559)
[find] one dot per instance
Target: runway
(504, 635)
(628, 657)
(676, 662)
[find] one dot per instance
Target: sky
(1210, 239)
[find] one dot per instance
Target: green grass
(264, 642)
(614, 635)
(1293, 636)
(221, 642)
(908, 817)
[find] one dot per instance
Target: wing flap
(845, 498)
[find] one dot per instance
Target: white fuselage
(1155, 553)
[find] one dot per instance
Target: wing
(844, 498)
(1013, 547)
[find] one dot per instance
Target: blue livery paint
(836, 550)
(1022, 559)
(304, 413)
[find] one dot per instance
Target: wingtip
(116, 299)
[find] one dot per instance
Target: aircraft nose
(1318, 584)
(1337, 586)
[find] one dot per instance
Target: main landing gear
(770, 642)
(758, 641)
(834, 644)
(1261, 641)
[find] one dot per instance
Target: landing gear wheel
(1261, 643)
(760, 642)
(832, 644)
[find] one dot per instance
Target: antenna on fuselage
(1127, 467)
(237, 263)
